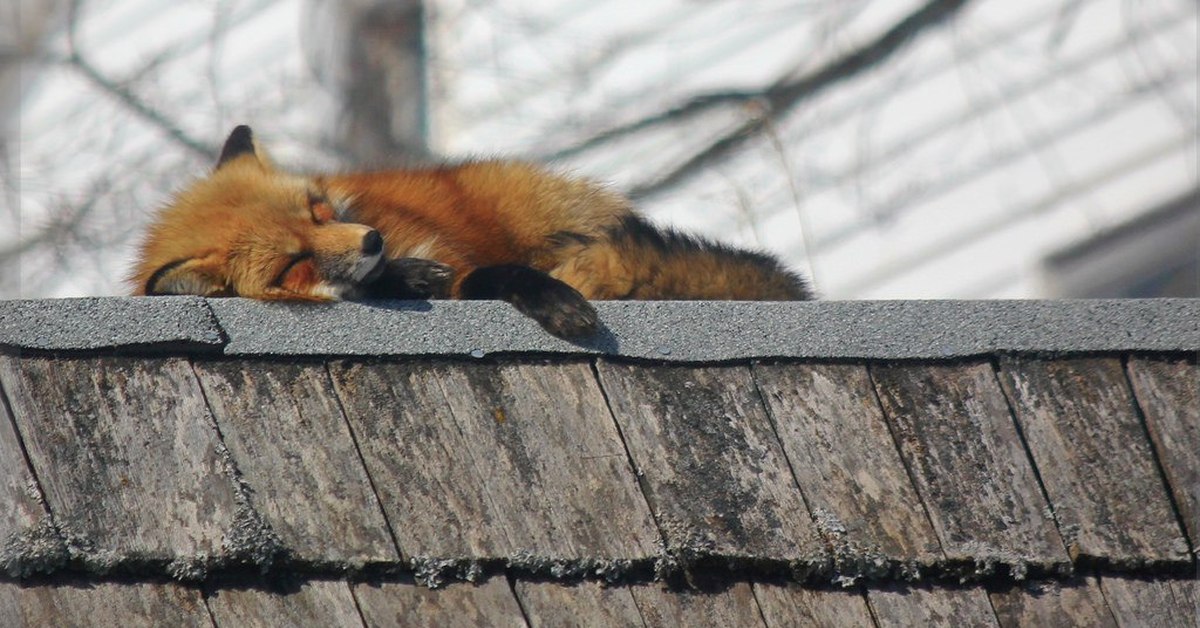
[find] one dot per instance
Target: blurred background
(888, 148)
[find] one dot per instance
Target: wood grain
(668, 608)
(1168, 391)
(314, 603)
(485, 460)
(125, 451)
(1082, 427)
(285, 429)
(847, 464)
(1154, 603)
(959, 440)
(931, 607)
(711, 465)
(23, 509)
(792, 605)
(1077, 602)
(461, 605)
(585, 604)
(101, 605)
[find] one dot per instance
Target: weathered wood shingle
(959, 441)
(284, 427)
(1168, 393)
(839, 446)
(127, 457)
(710, 463)
(516, 462)
(1082, 427)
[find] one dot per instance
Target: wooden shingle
(498, 461)
(285, 430)
(1152, 601)
(960, 443)
(710, 462)
(1077, 602)
(324, 603)
(847, 465)
(1168, 392)
(792, 605)
(24, 515)
(551, 605)
(732, 607)
(1082, 427)
(103, 605)
(461, 605)
(126, 453)
(931, 607)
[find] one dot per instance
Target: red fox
(480, 230)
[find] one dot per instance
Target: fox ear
(240, 142)
(197, 276)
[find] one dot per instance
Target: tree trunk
(372, 54)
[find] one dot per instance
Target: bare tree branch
(783, 96)
(76, 60)
(65, 220)
(785, 92)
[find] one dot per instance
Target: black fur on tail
(674, 265)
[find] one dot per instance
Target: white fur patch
(365, 266)
(342, 206)
(423, 250)
(329, 290)
(185, 283)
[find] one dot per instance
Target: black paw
(411, 278)
(560, 310)
(556, 306)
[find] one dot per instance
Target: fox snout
(341, 267)
(370, 260)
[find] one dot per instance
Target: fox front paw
(555, 305)
(411, 278)
(560, 310)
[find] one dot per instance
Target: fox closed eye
(321, 209)
(301, 270)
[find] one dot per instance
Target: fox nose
(372, 243)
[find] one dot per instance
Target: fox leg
(555, 305)
(411, 278)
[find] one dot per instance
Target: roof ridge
(663, 331)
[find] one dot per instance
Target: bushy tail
(666, 264)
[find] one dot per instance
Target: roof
(228, 462)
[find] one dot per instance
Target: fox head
(251, 230)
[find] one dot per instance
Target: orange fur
(249, 229)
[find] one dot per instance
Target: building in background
(892, 149)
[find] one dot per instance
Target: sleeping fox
(506, 230)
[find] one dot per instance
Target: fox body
(491, 229)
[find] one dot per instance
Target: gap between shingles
(1156, 457)
(6, 403)
(908, 470)
(362, 461)
(1005, 392)
(633, 466)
